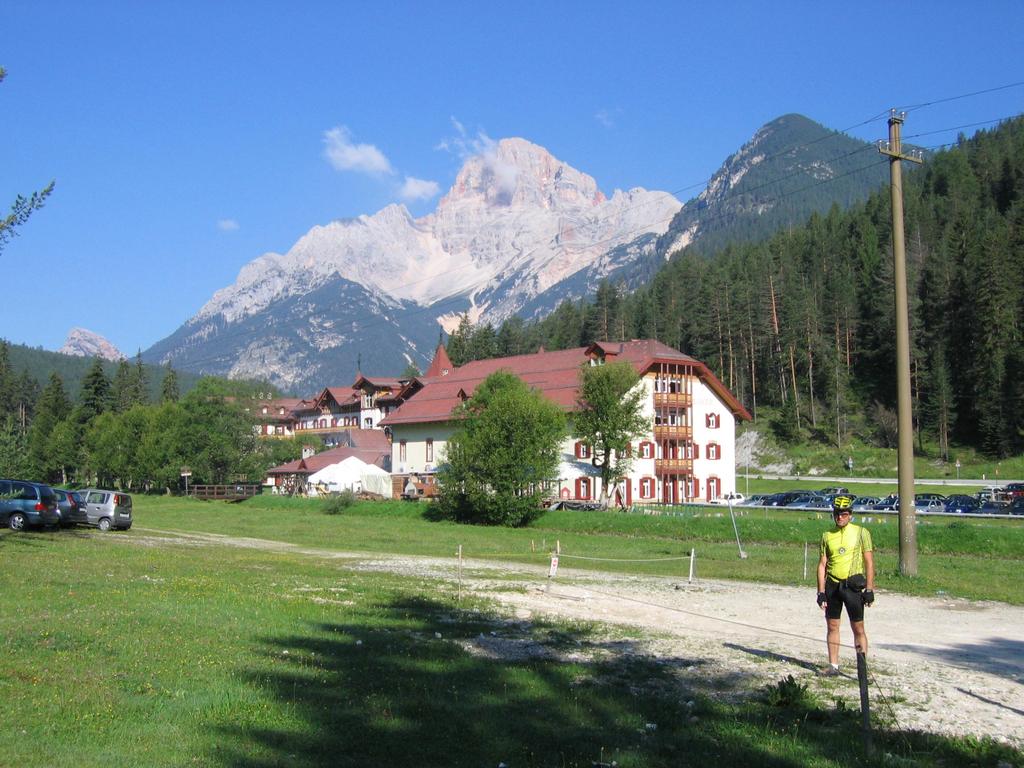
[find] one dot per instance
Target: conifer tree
(94, 396)
(169, 392)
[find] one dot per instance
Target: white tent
(351, 474)
(377, 480)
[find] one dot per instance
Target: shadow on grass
(763, 654)
(407, 682)
(1002, 656)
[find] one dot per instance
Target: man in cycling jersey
(846, 550)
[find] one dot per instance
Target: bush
(787, 693)
(338, 503)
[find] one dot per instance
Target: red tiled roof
(440, 363)
(369, 440)
(555, 374)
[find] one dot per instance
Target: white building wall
(706, 402)
(572, 468)
(415, 437)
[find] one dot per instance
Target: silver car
(107, 509)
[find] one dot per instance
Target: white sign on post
(554, 567)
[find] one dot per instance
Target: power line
(924, 104)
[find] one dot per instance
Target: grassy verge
(119, 654)
(971, 559)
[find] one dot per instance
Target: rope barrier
(625, 560)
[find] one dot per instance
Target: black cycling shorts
(837, 594)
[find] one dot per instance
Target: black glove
(822, 598)
(869, 597)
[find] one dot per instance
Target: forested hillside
(792, 167)
(127, 425)
(804, 320)
(38, 364)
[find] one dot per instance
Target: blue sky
(188, 138)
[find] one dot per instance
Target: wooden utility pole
(908, 530)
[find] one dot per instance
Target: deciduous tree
(505, 449)
(609, 416)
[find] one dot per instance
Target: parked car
(1014, 490)
(1016, 506)
(838, 491)
(107, 509)
(960, 504)
(24, 504)
(729, 498)
(864, 503)
(784, 498)
(993, 507)
(819, 502)
(990, 492)
(70, 507)
(929, 506)
(802, 501)
(755, 500)
(890, 502)
(929, 496)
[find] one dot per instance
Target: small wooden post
(460, 573)
(558, 547)
(693, 557)
(865, 704)
(805, 560)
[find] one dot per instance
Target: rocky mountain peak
(516, 222)
(514, 172)
(86, 343)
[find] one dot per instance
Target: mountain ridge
(518, 232)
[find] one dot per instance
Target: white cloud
(464, 147)
(344, 155)
(227, 225)
(607, 117)
(418, 189)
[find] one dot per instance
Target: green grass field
(125, 650)
(975, 559)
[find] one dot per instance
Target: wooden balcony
(322, 430)
(673, 466)
(672, 432)
(678, 399)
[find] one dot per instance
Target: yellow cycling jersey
(843, 549)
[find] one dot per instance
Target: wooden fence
(229, 492)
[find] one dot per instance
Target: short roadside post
(552, 570)
(186, 473)
(865, 705)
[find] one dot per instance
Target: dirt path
(942, 665)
